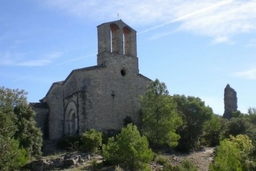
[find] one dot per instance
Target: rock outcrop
(230, 101)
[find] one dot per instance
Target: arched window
(127, 40)
(114, 32)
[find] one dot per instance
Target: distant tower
(230, 101)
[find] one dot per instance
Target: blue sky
(195, 47)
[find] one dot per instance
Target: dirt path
(201, 159)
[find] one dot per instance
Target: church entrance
(71, 119)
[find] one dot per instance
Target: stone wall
(41, 117)
(55, 102)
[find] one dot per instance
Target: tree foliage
(251, 117)
(211, 131)
(234, 154)
(236, 126)
(29, 136)
(91, 141)
(159, 115)
(14, 104)
(11, 155)
(129, 150)
(194, 114)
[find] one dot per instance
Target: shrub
(164, 161)
(118, 168)
(234, 154)
(91, 141)
(161, 160)
(69, 143)
(187, 165)
(129, 150)
(12, 157)
(127, 120)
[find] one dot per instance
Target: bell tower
(117, 47)
(117, 37)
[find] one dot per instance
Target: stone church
(100, 96)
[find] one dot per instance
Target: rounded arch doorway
(71, 119)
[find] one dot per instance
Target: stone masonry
(230, 102)
(100, 96)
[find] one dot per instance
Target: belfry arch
(127, 40)
(71, 119)
(114, 38)
(117, 37)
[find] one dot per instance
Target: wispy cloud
(222, 39)
(76, 59)
(249, 74)
(252, 43)
(22, 78)
(220, 20)
(19, 59)
(189, 14)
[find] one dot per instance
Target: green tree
(130, 150)
(236, 126)
(194, 114)
(234, 154)
(28, 135)
(211, 131)
(159, 115)
(11, 155)
(237, 114)
(251, 115)
(91, 140)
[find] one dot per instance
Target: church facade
(100, 96)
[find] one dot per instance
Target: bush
(127, 120)
(91, 141)
(118, 168)
(162, 160)
(234, 154)
(187, 165)
(12, 157)
(129, 150)
(69, 143)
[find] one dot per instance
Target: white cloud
(252, 43)
(249, 74)
(222, 39)
(213, 18)
(22, 78)
(18, 59)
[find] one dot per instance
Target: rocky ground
(201, 159)
(83, 161)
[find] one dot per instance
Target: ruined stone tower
(230, 101)
(100, 96)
